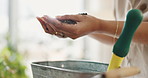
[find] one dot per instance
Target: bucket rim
(68, 70)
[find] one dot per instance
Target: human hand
(86, 24)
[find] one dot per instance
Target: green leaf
(11, 64)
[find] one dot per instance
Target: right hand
(86, 24)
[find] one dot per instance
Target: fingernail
(39, 19)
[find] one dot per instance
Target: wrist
(108, 27)
(99, 26)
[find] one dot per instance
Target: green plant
(11, 65)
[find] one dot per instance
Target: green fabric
(133, 20)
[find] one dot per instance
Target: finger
(62, 34)
(58, 32)
(51, 30)
(54, 23)
(51, 20)
(49, 24)
(46, 28)
(42, 24)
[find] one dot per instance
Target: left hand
(86, 24)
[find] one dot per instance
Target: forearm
(109, 28)
(103, 38)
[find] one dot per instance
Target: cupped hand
(86, 24)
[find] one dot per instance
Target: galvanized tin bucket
(67, 69)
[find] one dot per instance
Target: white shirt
(138, 54)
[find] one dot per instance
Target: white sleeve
(121, 8)
(142, 5)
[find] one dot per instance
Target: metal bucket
(67, 69)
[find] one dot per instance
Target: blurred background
(21, 32)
